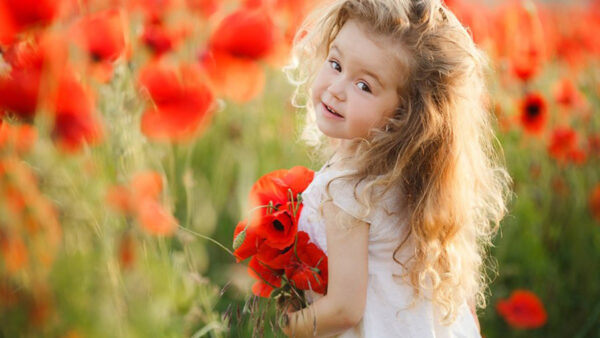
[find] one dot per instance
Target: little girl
(408, 203)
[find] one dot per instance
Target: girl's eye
(364, 87)
(335, 65)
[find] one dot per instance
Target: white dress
(387, 312)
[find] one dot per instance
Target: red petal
(182, 102)
(74, 123)
(154, 218)
(238, 79)
(250, 244)
(245, 33)
(265, 189)
(101, 35)
(266, 276)
(147, 184)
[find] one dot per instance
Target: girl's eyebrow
(363, 70)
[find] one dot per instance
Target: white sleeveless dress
(388, 311)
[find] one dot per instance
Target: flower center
(278, 225)
(533, 110)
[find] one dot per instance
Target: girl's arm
(344, 304)
(474, 312)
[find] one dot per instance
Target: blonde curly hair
(438, 145)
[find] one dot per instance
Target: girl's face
(356, 88)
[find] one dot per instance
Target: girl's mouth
(333, 112)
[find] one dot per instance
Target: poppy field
(131, 133)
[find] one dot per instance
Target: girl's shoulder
(361, 199)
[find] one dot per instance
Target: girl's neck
(344, 151)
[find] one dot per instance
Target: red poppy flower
(577, 156)
(273, 187)
(267, 278)
(297, 179)
(157, 38)
(182, 103)
(594, 202)
(19, 89)
(274, 258)
(308, 268)
(237, 78)
(563, 143)
(153, 218)
(277, 227)
(18, 138)
(140, 199)
(147, 184)
(533, 112)
(75, 121)
(266, 190)
(522, 310)
(17, 15)
(32, 64)
(566, 94)
(247, 33)
(523, 39)
(102, 36)
(250, 242)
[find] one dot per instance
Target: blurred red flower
(102, 36)
(566, 94)
(158, 38)
(533, 112)
(243, 37)
(75, 121)
(308, 267)
(594, 202)
(18, 15)
(563, 146)
(523, 310)
(154, 218)
(33, 233)
(19, 138)
(247, 33)
(237, 78)
(140, 199)
(523, 40)
(31, 64)
(182, 103)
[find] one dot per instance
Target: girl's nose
(337, 89)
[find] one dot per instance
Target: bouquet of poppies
(282, 259)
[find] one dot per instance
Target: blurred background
(132, 131)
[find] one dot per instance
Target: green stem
(208, 238)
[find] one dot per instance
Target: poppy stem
(207, 238)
